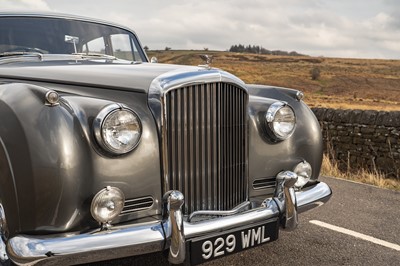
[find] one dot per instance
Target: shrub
(315, 73)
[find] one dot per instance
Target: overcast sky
(332, 28)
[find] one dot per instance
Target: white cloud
(381, 21)
(342, 28)
(26, 5)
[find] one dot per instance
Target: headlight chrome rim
(116, 208)
(101, 119)
(270, 120)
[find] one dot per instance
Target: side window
(95, 46)
(124, 47)
(120, 45)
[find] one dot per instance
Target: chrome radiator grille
(205, 145)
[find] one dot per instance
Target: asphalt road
(363, 209)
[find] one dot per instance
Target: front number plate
(206, 249)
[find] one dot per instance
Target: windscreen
(66, 36)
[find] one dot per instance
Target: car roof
(61, 15)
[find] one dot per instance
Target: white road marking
(356, 234)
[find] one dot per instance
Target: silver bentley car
(104, 154)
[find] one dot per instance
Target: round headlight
(117, 129)
(304, 172)
(281, 120)
(107, 204)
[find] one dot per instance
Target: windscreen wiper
(8, 57)
(96, 56)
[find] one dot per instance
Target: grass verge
(330, 168)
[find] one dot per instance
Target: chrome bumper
(171, 233)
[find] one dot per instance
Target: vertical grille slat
(214, 146)
(179, 138)
(224, 153)
(232, 145)
(206, 142)
(209, 148)
(198, 151)
(203, 125)
(190, 199)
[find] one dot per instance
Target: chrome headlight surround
(117, 129)
(280, 120)
(107, 204)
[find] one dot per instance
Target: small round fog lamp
(304, 172)
(107, 204)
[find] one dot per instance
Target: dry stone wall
(362, 139)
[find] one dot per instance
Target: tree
(255, 49)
